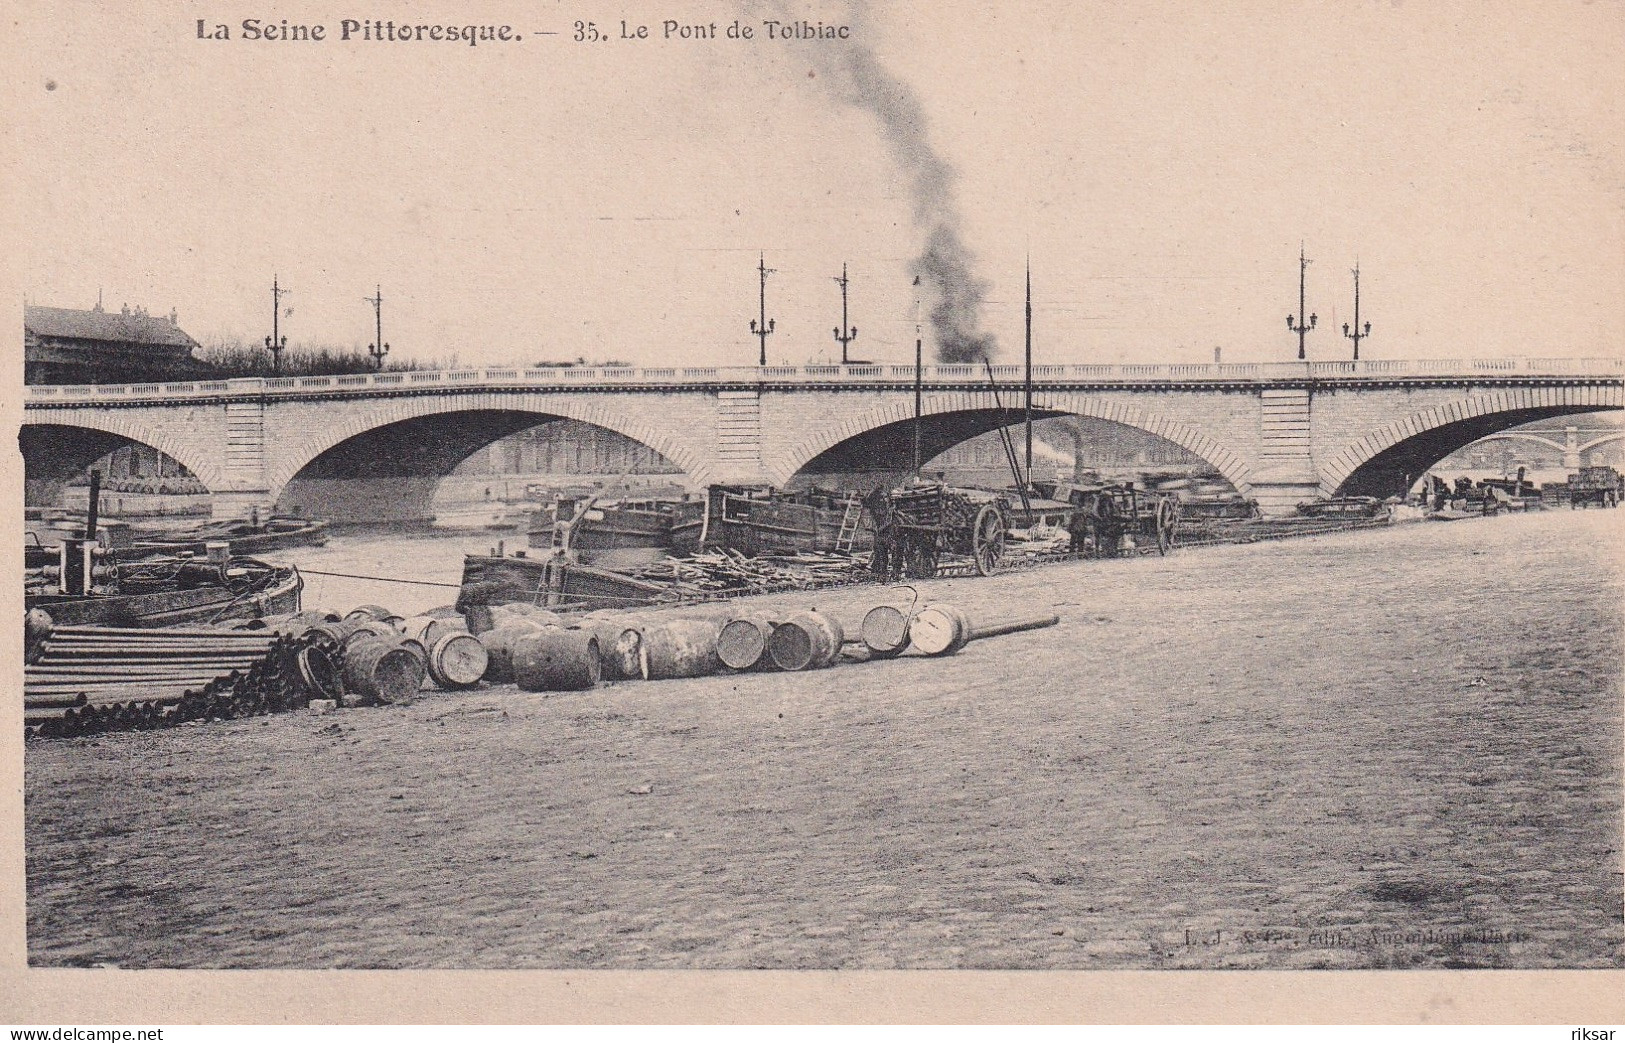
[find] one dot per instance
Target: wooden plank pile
(730, 573)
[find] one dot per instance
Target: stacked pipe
(90, 679)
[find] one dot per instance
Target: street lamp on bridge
(276, 344)
(1357, 335)
(1297, 326)
(377, 349)
(767, 324)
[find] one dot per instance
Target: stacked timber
(731, 573)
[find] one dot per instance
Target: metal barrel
(498, 644)
(678, 648)
(556, 660)
(319, 674)
(885, 631)
(742, 642)
(457, 660)
(383, 670)
(416, 647)
(619, 641)
(805, 641)
(940, 630)
(357, 629)
(430, 629)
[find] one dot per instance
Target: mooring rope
(380, 579)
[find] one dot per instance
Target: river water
(407, 571)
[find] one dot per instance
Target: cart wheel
(987, 539)
(1167, 525)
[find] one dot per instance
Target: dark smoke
(945, 265)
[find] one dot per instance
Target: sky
(1159, 165)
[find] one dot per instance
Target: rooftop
(121, 327)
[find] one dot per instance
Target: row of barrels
(86, 680)
(539, 650)
(372, 656)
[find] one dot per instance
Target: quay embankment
(1388, 748)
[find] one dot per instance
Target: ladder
(849, 525)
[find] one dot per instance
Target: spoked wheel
(987, 539)
(1167, 525)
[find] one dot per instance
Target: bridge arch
(1595, 442)
(982, 412)
(58, 445)
(506, 410)
(1513, 436)
(1385, 462)
(388, 465)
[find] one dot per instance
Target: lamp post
(377, 349)
(1296, 325)
(844, 333)
(276, 344)
(1357, 335)
(766, 325)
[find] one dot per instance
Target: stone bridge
(1279, 432)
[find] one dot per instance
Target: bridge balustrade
(824, 373)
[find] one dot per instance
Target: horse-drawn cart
(1107, 513)
(921, 529)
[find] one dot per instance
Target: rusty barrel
(678, 648)
(365, 630)
(742, 642)
(940, 630)
(619, 641)
(430, 629)
(319, 674)
(457, 660)
(885, 631)
(556, 660)
(416, 647)
(805, 641)
(382, 670)
(499, 644)
(329, 636)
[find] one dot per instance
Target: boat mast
(1029, 403)
(918, 388)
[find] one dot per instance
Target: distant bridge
(1280, 432)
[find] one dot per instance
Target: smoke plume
(945, 266)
